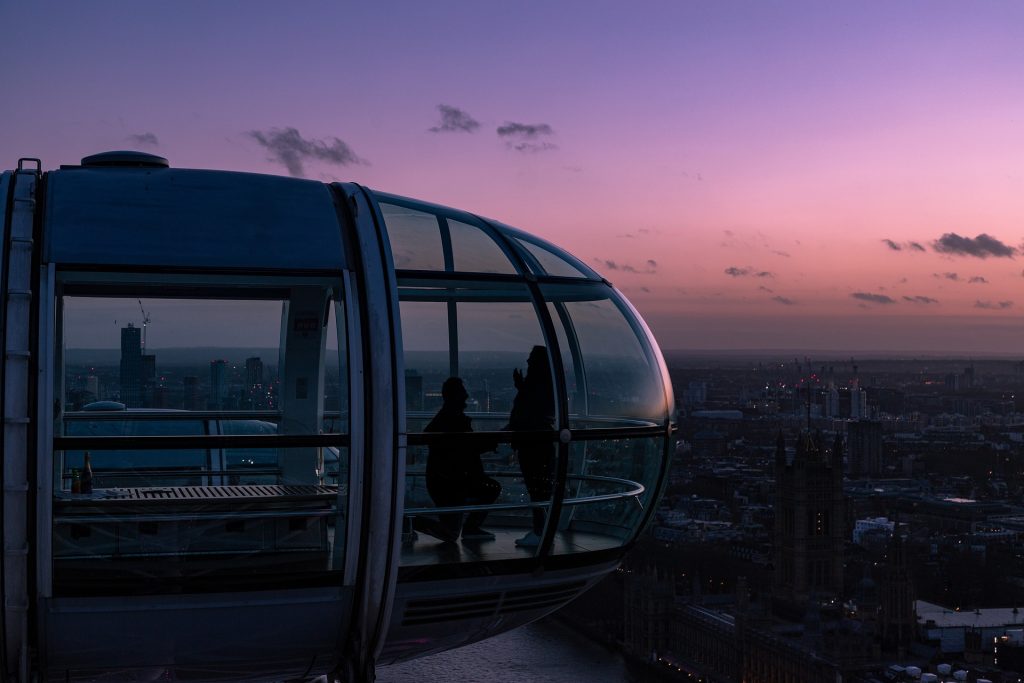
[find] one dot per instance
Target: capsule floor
(424, 549)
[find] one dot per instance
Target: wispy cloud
(993, 305)
(920, 300)
(650, 266)
(947, 276)
(454, 120)
(144, 139)
(785, 301)
(762, 288)
(781, 253)
(642, 232)
(733, 271)
(527, 137)
(901, 246)
(873, 298)
(982, 246)
(288, 147)
(977, 280)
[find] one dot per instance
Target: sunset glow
(796, 175)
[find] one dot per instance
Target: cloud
(780, 253)
(784, 300)
(920, 300)
(977, 279)
(900, 246)
(993, 305)
(525, 130)
(526, 137)
(642, 232)
(288, 147)
(733, 271)
(762, 288)
(650, 268)
(145, 139)
(873, 298)
(532, 146)
(948, 276)
(981, 246)
(454, 120)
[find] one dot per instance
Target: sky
(752, 175)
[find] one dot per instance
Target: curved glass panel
(614, 372)
(474, 251)
(194, 450)
(601, 508)
(545, 258)
(415, 238)
(476, 362)
(548, 262)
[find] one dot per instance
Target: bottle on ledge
(87, 474)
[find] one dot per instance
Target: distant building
(254, 395)
(872, 526)
(218, 384)
(131, 366)
(864, 448)
(193, 399)
(832, 402)
(253, 372)
(696, 394)
(897, 618)
(148, 365)
(858, 404)
(413, 390)
(810, 520)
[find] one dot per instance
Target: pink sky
(779, 142)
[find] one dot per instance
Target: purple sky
(802, 174)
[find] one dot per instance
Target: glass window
(547, 262)
(230, 369)
(474, 251)
(611, 482)
(476, 361)
(415, 238)
(621, 377)
(427, 358)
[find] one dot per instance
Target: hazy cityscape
(825, 515)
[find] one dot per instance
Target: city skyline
(839, 178)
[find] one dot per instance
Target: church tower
(897, 616)
(810, 520)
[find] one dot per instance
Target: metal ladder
(16, 272)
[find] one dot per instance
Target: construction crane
(145, 322)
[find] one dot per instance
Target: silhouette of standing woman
(534, 409)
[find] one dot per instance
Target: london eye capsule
(325, 428)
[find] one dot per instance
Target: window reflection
(415, 238)
(212, 433)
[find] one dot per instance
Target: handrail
(133, 414)
(266, 415)
(635, 492)
(197, 442)
(208, 441)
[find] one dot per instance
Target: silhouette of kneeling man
(455, 474)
